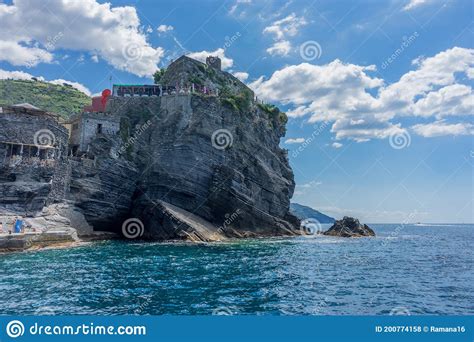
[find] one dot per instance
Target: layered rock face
(349, 227)
(102, 187)
(186, 166)
(200, 155)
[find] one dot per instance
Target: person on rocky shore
(18, 226)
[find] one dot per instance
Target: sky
(378, 93)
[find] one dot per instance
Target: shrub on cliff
(240, 102)
(158, 75)
(274, 113)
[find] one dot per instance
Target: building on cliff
(29, 135)
(181, 163)
(214, 62)
(207, 79)
(92, 122)
(33, 146)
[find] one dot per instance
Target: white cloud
(237, 5)
(15, 75)
(309, 81)
(20, 75)
(415, 3)
(454, 99)
(431, 75)
(441, 128)
(309, 185)
(281, 48)
(470, 73)
(286, 27)
(165, 28)
(201, 56)
(112, 33)
(294, 141)
(293, 113)
(241, 75)
(373, 129)
(302, 189)
(75, 85)
(281, 30)
(21, 55)
(337, 145)
(361, 106)
(95, 58)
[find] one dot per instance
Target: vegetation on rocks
(59, 99)
(274, 113)
(240, 102)
(158, 75)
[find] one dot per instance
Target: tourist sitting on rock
(18, 227)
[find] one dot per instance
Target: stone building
(86, 126)
(214, 62)
(29, 134)
(33, 153)
(207, 78)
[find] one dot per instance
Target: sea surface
(406, 269)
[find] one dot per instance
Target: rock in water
(349, 227)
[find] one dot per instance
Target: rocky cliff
(188, 165)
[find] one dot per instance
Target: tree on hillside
(158, 75)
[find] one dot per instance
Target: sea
(423, 269)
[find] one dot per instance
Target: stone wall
(85, 128)
(21, 129)
(26, 182)
(185, 71)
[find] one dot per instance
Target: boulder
(349, 227)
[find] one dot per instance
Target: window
(99, 128)
(13, 150)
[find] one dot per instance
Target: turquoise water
(404, 270)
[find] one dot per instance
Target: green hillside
(63, 100)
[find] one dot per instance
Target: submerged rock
(349, 227)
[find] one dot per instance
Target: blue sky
(379, 93)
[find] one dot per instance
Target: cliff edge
(201, 163)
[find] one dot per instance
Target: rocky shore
(58, 225)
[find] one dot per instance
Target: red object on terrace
(106, 93)
(99, 102)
